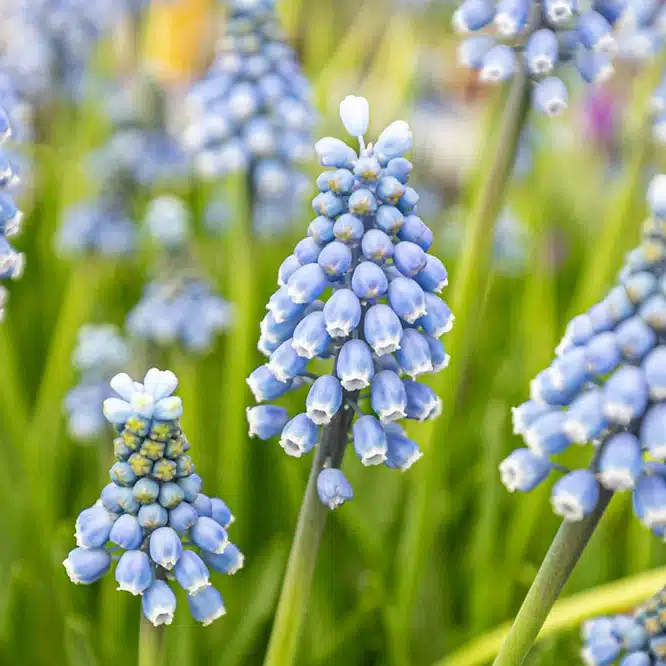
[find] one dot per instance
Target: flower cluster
(135, 155)
(178, 306)
(11, 261)
(252, 112)
(101, 226)
(543, 36)
(46, 45)
(153, 519)
(638, 639)
(366, 255)
(606, 386)
(180, 309)
(99, 354)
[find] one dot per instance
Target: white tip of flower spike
(355, 115)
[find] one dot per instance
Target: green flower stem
(150, 644)
(293, 602)
(560, 560)
(471, 275)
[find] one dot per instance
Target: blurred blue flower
(100, 352)
(252, 112)
(547, 38)
(606, 386)
(46, 45)
(180, 310)
(138, 153)
(98, 226)
(11, 261)
(638, 639)
(362, 292)
(152, 519)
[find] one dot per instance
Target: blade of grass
(468, 283)
(615, 597)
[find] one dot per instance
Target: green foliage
(485, 546)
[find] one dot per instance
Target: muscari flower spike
(11, 261)
(135, 155)
(361, 292)
(179, 306)
(638, 639)
(99, 354)
(252, 112)
(152, 520)
(46, 45)
(607, 386)
(547, 36)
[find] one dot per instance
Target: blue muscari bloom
(206, 605)
(159, 603)
(607, 386)
(168, 221)
(266, 421)
(473, 15)
(49, 44)
(541, 52)
(153, 517)
(134, 573)
(551, 35)
(550, 96)
(575, 495)
(252, 111)
(498, 64)
(11, 261)
(333, 488)
(229, 561)
(299, 436)
(366, 257)
(180, 310)
(511, 17)
(100, 226)
(324, 399)
(99, 354)
(636, 639)
(402, 452)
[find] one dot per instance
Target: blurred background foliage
(575, 206)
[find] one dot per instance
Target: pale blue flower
(359, 293)
(153, 511)
(607, 386)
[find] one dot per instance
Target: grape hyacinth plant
(542, 38)
(380, 320)
(152, 520)
(359, 298)
(606, 387)
(252, 113)
(136, 155)
(638, 639)
(99, 354)
(11, 261)
(179, 305)
(46, 45)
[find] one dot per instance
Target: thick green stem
(471, 275)
(293, 602)
(560, 560)
(150, 644)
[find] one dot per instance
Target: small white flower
(355, 115)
